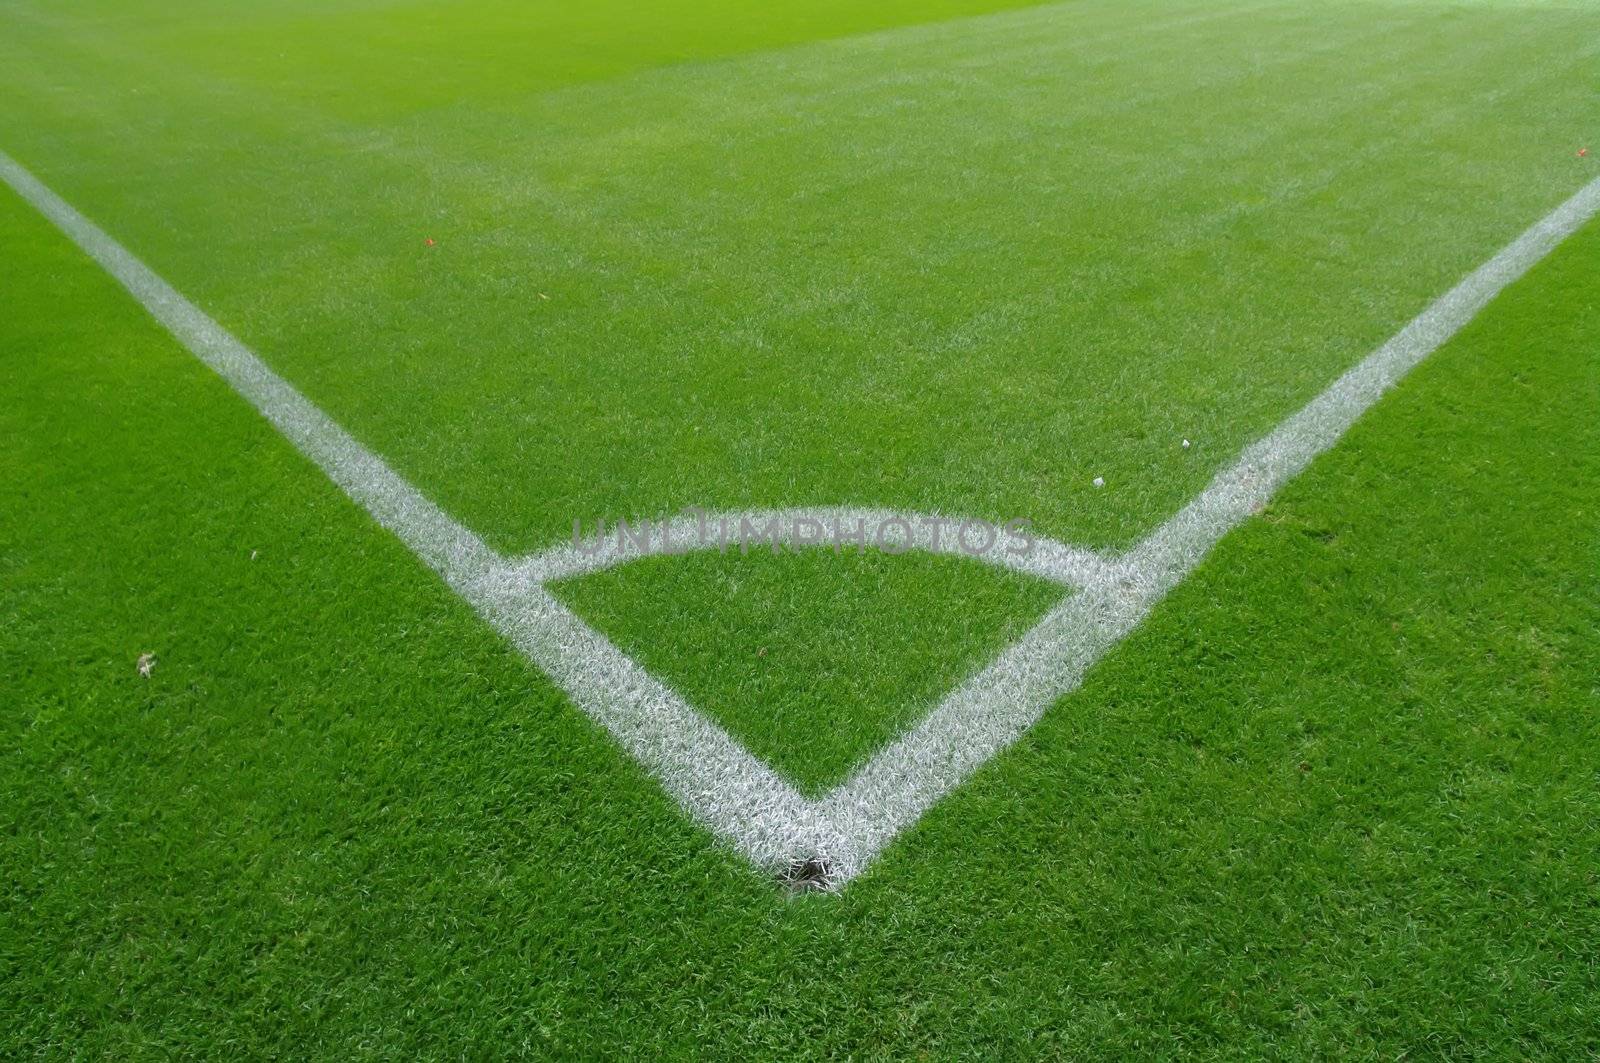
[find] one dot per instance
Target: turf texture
(1336, 797)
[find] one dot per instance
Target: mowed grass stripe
(409, 56)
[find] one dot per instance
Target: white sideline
(700, 764)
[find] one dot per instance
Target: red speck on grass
(1583, 153)
(430, 241)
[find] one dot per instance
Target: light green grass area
(968, 267)
(1337, 796)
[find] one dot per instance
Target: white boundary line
(704, 768)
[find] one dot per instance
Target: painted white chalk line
(705, 769)
(990, 710)
(830, 528)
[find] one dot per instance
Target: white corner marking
(709, 773)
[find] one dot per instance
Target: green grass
(811, 659)
(1336, 797)
(968, 266)
(381, 58)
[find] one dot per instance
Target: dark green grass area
(1337, 797)
(967, 266)
(278, 839)
(811, 659)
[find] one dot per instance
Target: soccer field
(961, 528)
